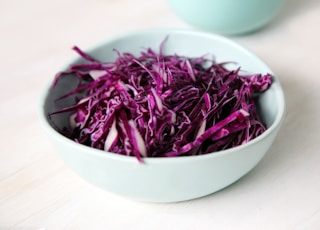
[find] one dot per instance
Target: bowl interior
(188, 43)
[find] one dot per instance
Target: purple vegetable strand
(157, 105)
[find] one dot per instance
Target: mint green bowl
(166, 179)
(226, 16)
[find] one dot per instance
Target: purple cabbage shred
(156, 105)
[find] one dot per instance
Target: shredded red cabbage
(156, 105)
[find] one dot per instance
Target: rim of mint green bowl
(165, 160)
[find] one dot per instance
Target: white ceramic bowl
(168, 179)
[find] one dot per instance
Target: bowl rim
(166, 160)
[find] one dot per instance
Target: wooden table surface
(38, 191)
